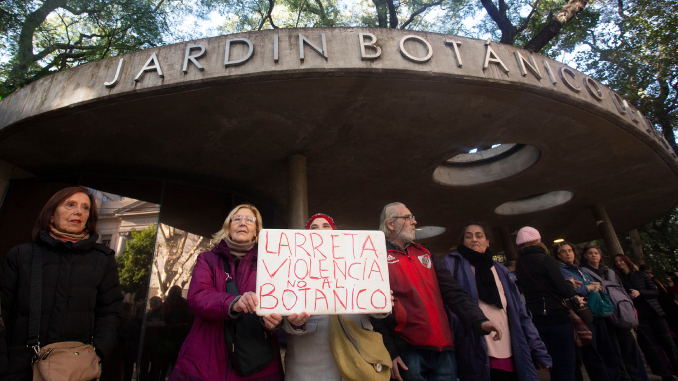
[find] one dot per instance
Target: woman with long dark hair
(598, 357)
(653, 332)
(621, 337)
(520, 351)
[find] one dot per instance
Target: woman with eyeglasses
(204, 355)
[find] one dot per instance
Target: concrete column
(297, 192)
(637, 246)
(605, 227)
(510, 250)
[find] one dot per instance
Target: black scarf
(485, 283)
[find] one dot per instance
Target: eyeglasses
(248, 219)
(409, 217)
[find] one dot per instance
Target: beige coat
(309, 356)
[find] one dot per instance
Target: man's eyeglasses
(409, 216)
(248, 219)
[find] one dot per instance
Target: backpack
(624, 315)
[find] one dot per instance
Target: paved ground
(544, 375)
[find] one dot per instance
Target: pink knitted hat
(527, 234)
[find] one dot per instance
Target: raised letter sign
(491, 56)
(303, 40)
(455, 45)
(593, 88)
(530, 65)
(411, 57)
(228, 62)
(564, 72)
(322, 272)
(371, 43)
(117, 75)
(549, 72)
(193, 58)
(155, 66)
(619, 102)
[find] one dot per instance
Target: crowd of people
(464, 316)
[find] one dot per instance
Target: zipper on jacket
(544, 299)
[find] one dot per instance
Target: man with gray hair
(417, 334)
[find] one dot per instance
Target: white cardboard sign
(322, 272)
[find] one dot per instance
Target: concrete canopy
(373, 129)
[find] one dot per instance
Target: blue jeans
(427, 364)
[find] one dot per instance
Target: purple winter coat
(203, 356)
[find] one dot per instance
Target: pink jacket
(203, 356)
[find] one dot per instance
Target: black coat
(81, 298)
(647, 301)
(546, 270)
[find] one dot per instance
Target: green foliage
(659, 239)
(134, 264)
(634, 51)
(42, 37)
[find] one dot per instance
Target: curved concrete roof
(374, 130)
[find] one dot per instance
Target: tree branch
(271, 4)
(392, 15)
(527, 19)
(569, 11)
(508, 31)
(620, 8)
(418, 12)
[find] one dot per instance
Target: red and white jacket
(423, 287)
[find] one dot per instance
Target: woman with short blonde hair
(213, 300)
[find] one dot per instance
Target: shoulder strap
(522, 264)
(36, 299)
(231, 288)
(456, 267)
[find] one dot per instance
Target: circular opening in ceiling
(534, 203)
(478, 167)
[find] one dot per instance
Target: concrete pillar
(605, 227)
(509, 246)
(297, 192)
(637, 246)
(9, 172)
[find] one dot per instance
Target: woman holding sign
(222, 297)
(309, 354)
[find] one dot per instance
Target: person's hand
(395, 372)
(298, 319)
(593, 286)
(574, 282)
(540, 366)
(582, 302)
(247, 303)
(272, 320)
(489, 326)
(634, 294)
(392, 302)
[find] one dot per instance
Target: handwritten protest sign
(322, 272)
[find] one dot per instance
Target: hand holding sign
(322, 272)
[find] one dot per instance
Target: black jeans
(653, 333)
(559, 341)
(501, 375)
(626, 349)
(599, 357)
